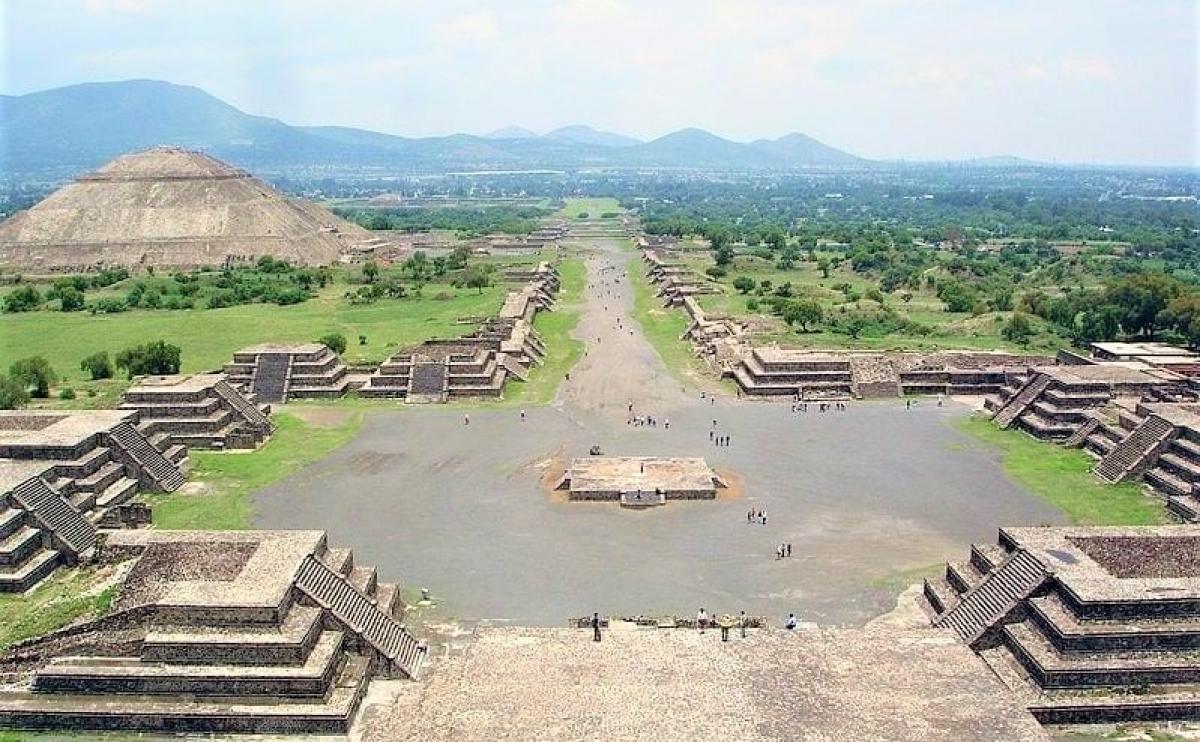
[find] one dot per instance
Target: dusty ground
(861, 495)
(665, 684)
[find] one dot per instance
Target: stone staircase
(247, 409)
(271, 377)
(1000, 591)
(1007, 413)
(361, 614)
(71, 531)
(1134, 449)
(427, 383)
(165, 474)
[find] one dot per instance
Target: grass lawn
(230, 478)
(593, 206)
(1063, 477)
(562, 350)
(209, 337)
(663, 327)
(65, 597)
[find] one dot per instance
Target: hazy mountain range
(58, 132)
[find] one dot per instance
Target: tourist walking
(595, 627)
(791, 622)
(522, 415)
(742, 623)
(789, 549)
(702, 620)
(466, 419)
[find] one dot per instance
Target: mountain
(54, 134)
(580, 134)
(511, 132)
(803, 148)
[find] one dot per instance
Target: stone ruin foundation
(219, 632)
(279, 372)
(639, 481)
(197, 411)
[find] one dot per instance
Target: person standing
(742, 623)
(596, 627)
(790, 624)
(702, 620)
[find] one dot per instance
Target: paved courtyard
(866, 497)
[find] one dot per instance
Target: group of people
(783, 550)
(821, 406)
(648, 421)
(756, 516)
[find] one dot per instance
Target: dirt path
(619, 365)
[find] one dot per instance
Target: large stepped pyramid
(218, 632)
(170, 207)
(1091, 624)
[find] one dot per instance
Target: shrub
(98, 366)
(744, 284)
(13, 394)
(1018, 329)
(335, 341)
(70, 299)
(715, 271)
(22, 299)
(158, 357)
(66, 393)
(108, 306)
(33, 373)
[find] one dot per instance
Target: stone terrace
(1098, 624)
(817, 685)
(198, 411)
(639, 480)
(246, 631)
(282, 372)
(64, 474)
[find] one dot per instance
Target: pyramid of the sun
(170, 207)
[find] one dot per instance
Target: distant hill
(57, 133)
(580, 134)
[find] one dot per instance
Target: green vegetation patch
(228, 478)
(67, 596)
(595, 208)
(1063, 477)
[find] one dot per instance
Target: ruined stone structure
(639, 481)
(170, 207)
(476, 365)
(674, 279)
(198, 411)
(1092, 625)
(223, 631)
(62, 475)
(282, 372)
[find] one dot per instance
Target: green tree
(22, 299)
(97, 366)
(13, 394)
(34, 374)
(476, 279)
(1018, 329)
(744, 284)
(159, 357)
(823, 265)
(335, 341)
(804, 312)
(370, 271)
(70, 299)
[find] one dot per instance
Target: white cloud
(470, 28)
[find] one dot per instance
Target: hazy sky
(1065, 80)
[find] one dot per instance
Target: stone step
(290, 644)
(1067, 633)
(103, 675)
(19, 578)
(940, 594)
(98, 481)
(1155, 705)
(11, 520)
(364, 579)
(117, 493)
(1167, 482)
(20, 545)
(184, 713)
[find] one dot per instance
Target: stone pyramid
(170, 207)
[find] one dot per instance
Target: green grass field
(593, 206)
(1063, 477)
(228, 478)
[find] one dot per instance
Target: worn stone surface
(643, 684)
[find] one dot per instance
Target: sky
(1100, 81)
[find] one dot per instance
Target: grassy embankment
(1063, 477)
(562, 350)
(65, 597)
(226, 480)
(663, 327)
(945, 329)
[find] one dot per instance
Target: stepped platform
(217, 632)
(197, 411)
(639, 481)
(281, 372)
(1109, 632)
(63, 472)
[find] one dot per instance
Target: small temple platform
(640, 481)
